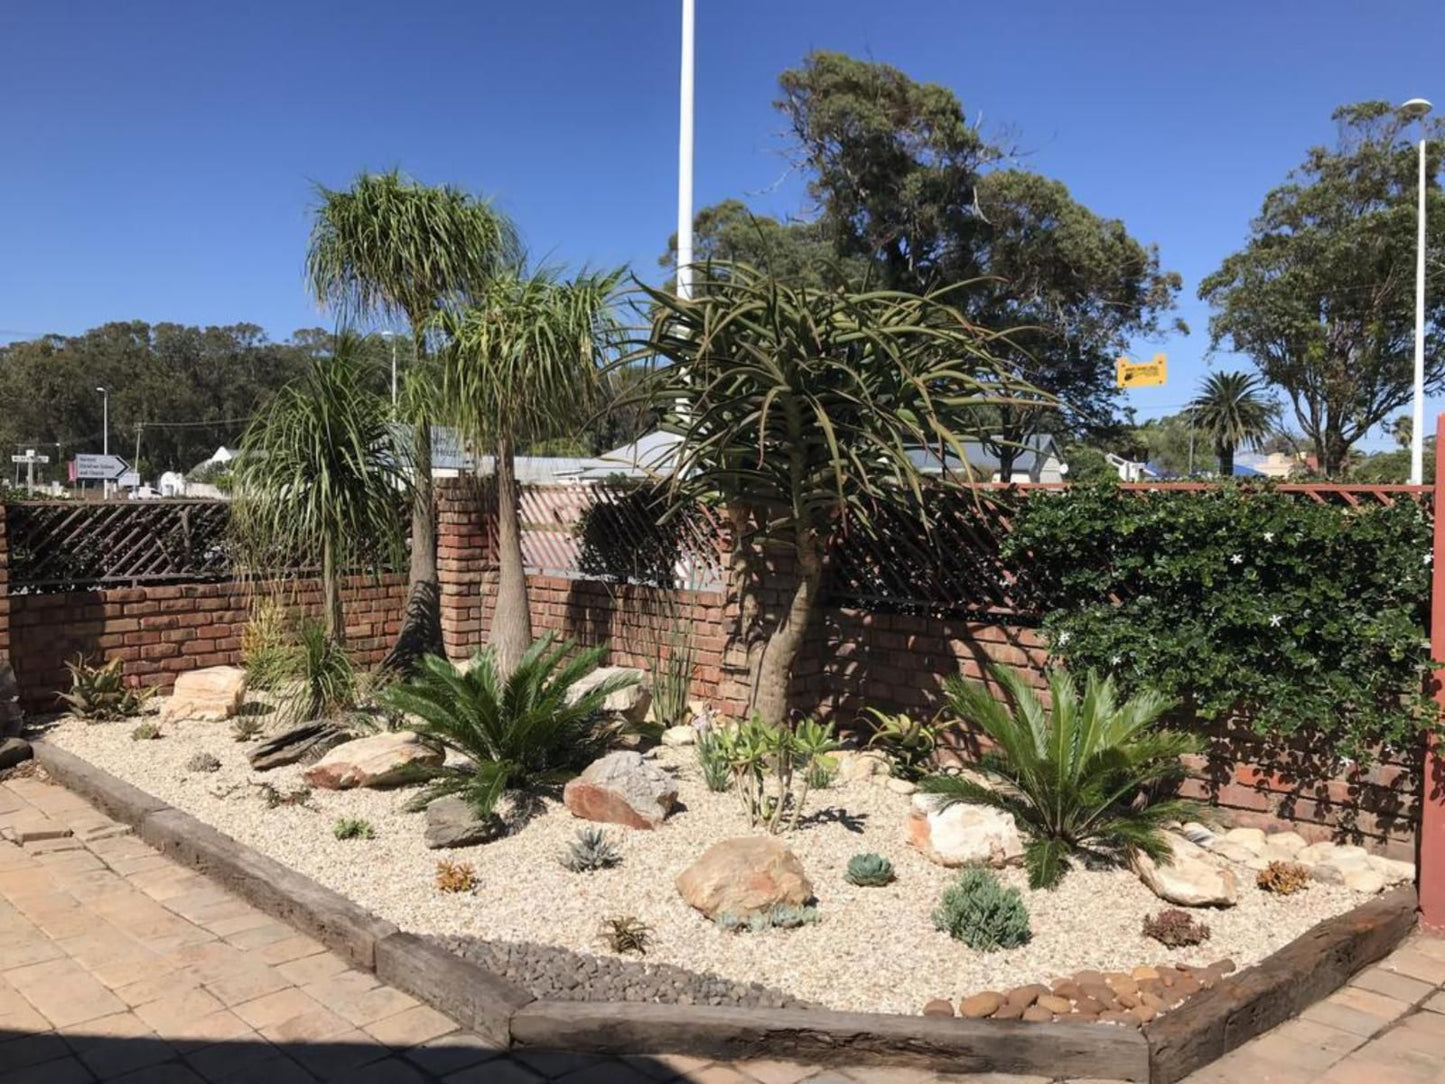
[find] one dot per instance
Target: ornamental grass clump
(1090, 778)
(977, 910)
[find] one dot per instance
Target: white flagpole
(684, 160)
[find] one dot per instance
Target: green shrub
(1088, 777)
(99, 693)
(977, 910)
(353, 828)
(591, 851)
(1293, 614)
(321, 678)
(712, 758)
(772, 767)
(869, 870)
(517, 732)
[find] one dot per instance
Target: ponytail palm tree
(1080, 777)
(319, 479)
(1232, 409)
(523, 363)
(390, 248)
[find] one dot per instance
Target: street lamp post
(1416, 109)
(105, 432)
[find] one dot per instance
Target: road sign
(128, 480)
(1143, 374)
(30, 457)
(100, 468)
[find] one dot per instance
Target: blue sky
(159, 157)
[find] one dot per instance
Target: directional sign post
(100, 468)
(30, 459)
(1143, 374)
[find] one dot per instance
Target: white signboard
(103, 468)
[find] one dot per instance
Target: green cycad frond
(1078, 779)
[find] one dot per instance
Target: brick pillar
(1432, 801)
(465, 565)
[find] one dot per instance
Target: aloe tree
(391, 248)
(1082, 777)
(319, 479)
(1233, 410)
(806, 412)
(523, 363)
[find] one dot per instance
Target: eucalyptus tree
(523, 363)
(391, 248)
(1232, 409)
(807, 412)
(320, 480)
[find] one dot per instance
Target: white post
(684, 160)
(105, 434)
(1417, 432)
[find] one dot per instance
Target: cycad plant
(508, 732)
(1089, 778)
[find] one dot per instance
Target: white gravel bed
(875, 949)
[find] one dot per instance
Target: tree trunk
(1225, 454)
(334, 621)
(512, 620)
(776, 668)
(421, 623)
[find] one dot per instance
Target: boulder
(978, 1006)
(10, 714)
(1365, 880)
(1393, 870)
(622, 788)
(854, 766)
(900, 786)
(1252, 838)
(963, 834)
(1289, 842)
(451, 822)
(1191, 880)
(631, 703)
(13, 751)
(308, 742)
(1233, 852)
(381, 760)
(206, 696)
(744, 877)
(676, 736)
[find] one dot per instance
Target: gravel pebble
(875, 949)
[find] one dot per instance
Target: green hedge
(1295, 615)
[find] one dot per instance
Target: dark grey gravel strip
(559, 974)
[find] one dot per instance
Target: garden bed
(874, 949)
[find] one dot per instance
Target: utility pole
(684, 158)
(136, 461)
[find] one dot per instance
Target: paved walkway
(118, 964)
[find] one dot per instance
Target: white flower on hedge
(1116, 660)
(1274, 621)
(1429, 558)
(1236, 559)
(1064, 638)
(1269, 536)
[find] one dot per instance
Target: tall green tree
(523, 363)
(1322, 296)
(320, 479)
(801, 253)
(804, 412)
(1232, 409)
(391, 248)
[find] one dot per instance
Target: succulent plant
(624, 933)
(455, 876)
(353, 828)
(782, 916)
(1283, 878)
(98, 693)
(1175, 928)
(869, 870)
(247, 729)
(145, 732)
(203, 762)
(979, 911)
(590, 851)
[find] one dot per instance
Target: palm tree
(807, 412)
(523, 364)
(391, 248)
(1232, 409)
(319, 479)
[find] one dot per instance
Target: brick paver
(118, 964)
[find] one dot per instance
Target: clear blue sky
(158, 157)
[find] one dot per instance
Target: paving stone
(504, 1071)
(411, 1027)
(339, 1056)
(453, 1051)
(1416, 964)
(65, 1071)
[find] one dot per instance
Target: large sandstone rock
(622, 788)
(744, 877)
(1191, 880)
(631, 703)
(381, 760)
(963, 834)
(451, 822)
(207, 696)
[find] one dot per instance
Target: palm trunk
(1225, 454)
(776, 669)
(333, 619)
(421, 625)
(511, 634)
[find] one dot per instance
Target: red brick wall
(164, 630)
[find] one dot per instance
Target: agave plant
(517, 731)
(100, 692)
(1089, 778)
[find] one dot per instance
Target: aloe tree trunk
(511, 632)
(776, 668)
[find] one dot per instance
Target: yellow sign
(1143, 374)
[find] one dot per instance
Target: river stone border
(1205, 1027)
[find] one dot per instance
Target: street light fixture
(1418, 109)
